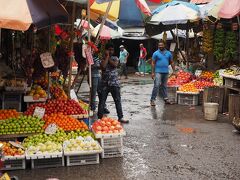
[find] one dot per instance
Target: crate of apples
(107, 126)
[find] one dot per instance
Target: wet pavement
(162, 142)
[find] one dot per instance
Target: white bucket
(211, 111)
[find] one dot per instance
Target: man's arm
(153, 68)
(113, 63)
(127, 57)
(105, 60)
(172, 63)
(145, 53)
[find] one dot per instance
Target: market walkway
(172, 142)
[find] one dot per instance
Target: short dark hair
(161, 41)
(109, 45)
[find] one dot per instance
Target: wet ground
(165, 142)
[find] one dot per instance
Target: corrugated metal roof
(200, 1)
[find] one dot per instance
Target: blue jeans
(142, 65)
(160, 83)
(95, 88)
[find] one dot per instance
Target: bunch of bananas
(207, 41)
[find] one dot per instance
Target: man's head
(110, 48)
(141, 45)
(161, 45)
(121, 48)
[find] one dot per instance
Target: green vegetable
(219, 45)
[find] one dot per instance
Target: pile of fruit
(81, 144)
(183, 77)
(207, 76)
(10, 150)
(59, 137)
(21, 125)
(43, 81)
(217, 79)
(57, 92)
(66, 107)
(207, 41)
(107, 126)
(189, 87)
(8, 113)
(64, 122)
(37, 92)
(45, 148)
(202, 84)
(172, 81)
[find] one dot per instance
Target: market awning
(19, 15)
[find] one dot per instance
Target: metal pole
(103, 21)
(90, 67)
(71, 47)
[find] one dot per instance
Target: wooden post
(71, 47)
(234, 106)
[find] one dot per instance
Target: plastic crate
(46, 160)
(188, 99)
(80, 159)
(111, 142)
(172, 93)
(112, 152)
(14, 162)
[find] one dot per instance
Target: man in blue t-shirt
(161, 59)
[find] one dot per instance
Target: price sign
(198, 72)
(39, 112)
(51, 129)
(73, 95)
(17, 145)
(89, 56)
(47, 60)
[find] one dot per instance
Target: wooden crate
(234, 106)
(215, 95)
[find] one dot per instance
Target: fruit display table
(232, 82)
(30, 100)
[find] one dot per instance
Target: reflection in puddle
(134, 164)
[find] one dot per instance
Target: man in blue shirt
(123, 57)
(161, 59)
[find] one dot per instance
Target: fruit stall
(221, 86)
(56, 138)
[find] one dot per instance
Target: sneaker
(168, 102)
(123, 121)
(106, 111)
(153, 103)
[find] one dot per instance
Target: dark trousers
(123, 69)
(115, 92)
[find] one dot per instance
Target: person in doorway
(142, 60)
(110, 83)
(161, 59)
(123, 57)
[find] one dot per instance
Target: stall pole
(103, 22)
(89, 66)
(238, 38)
(71, 47)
